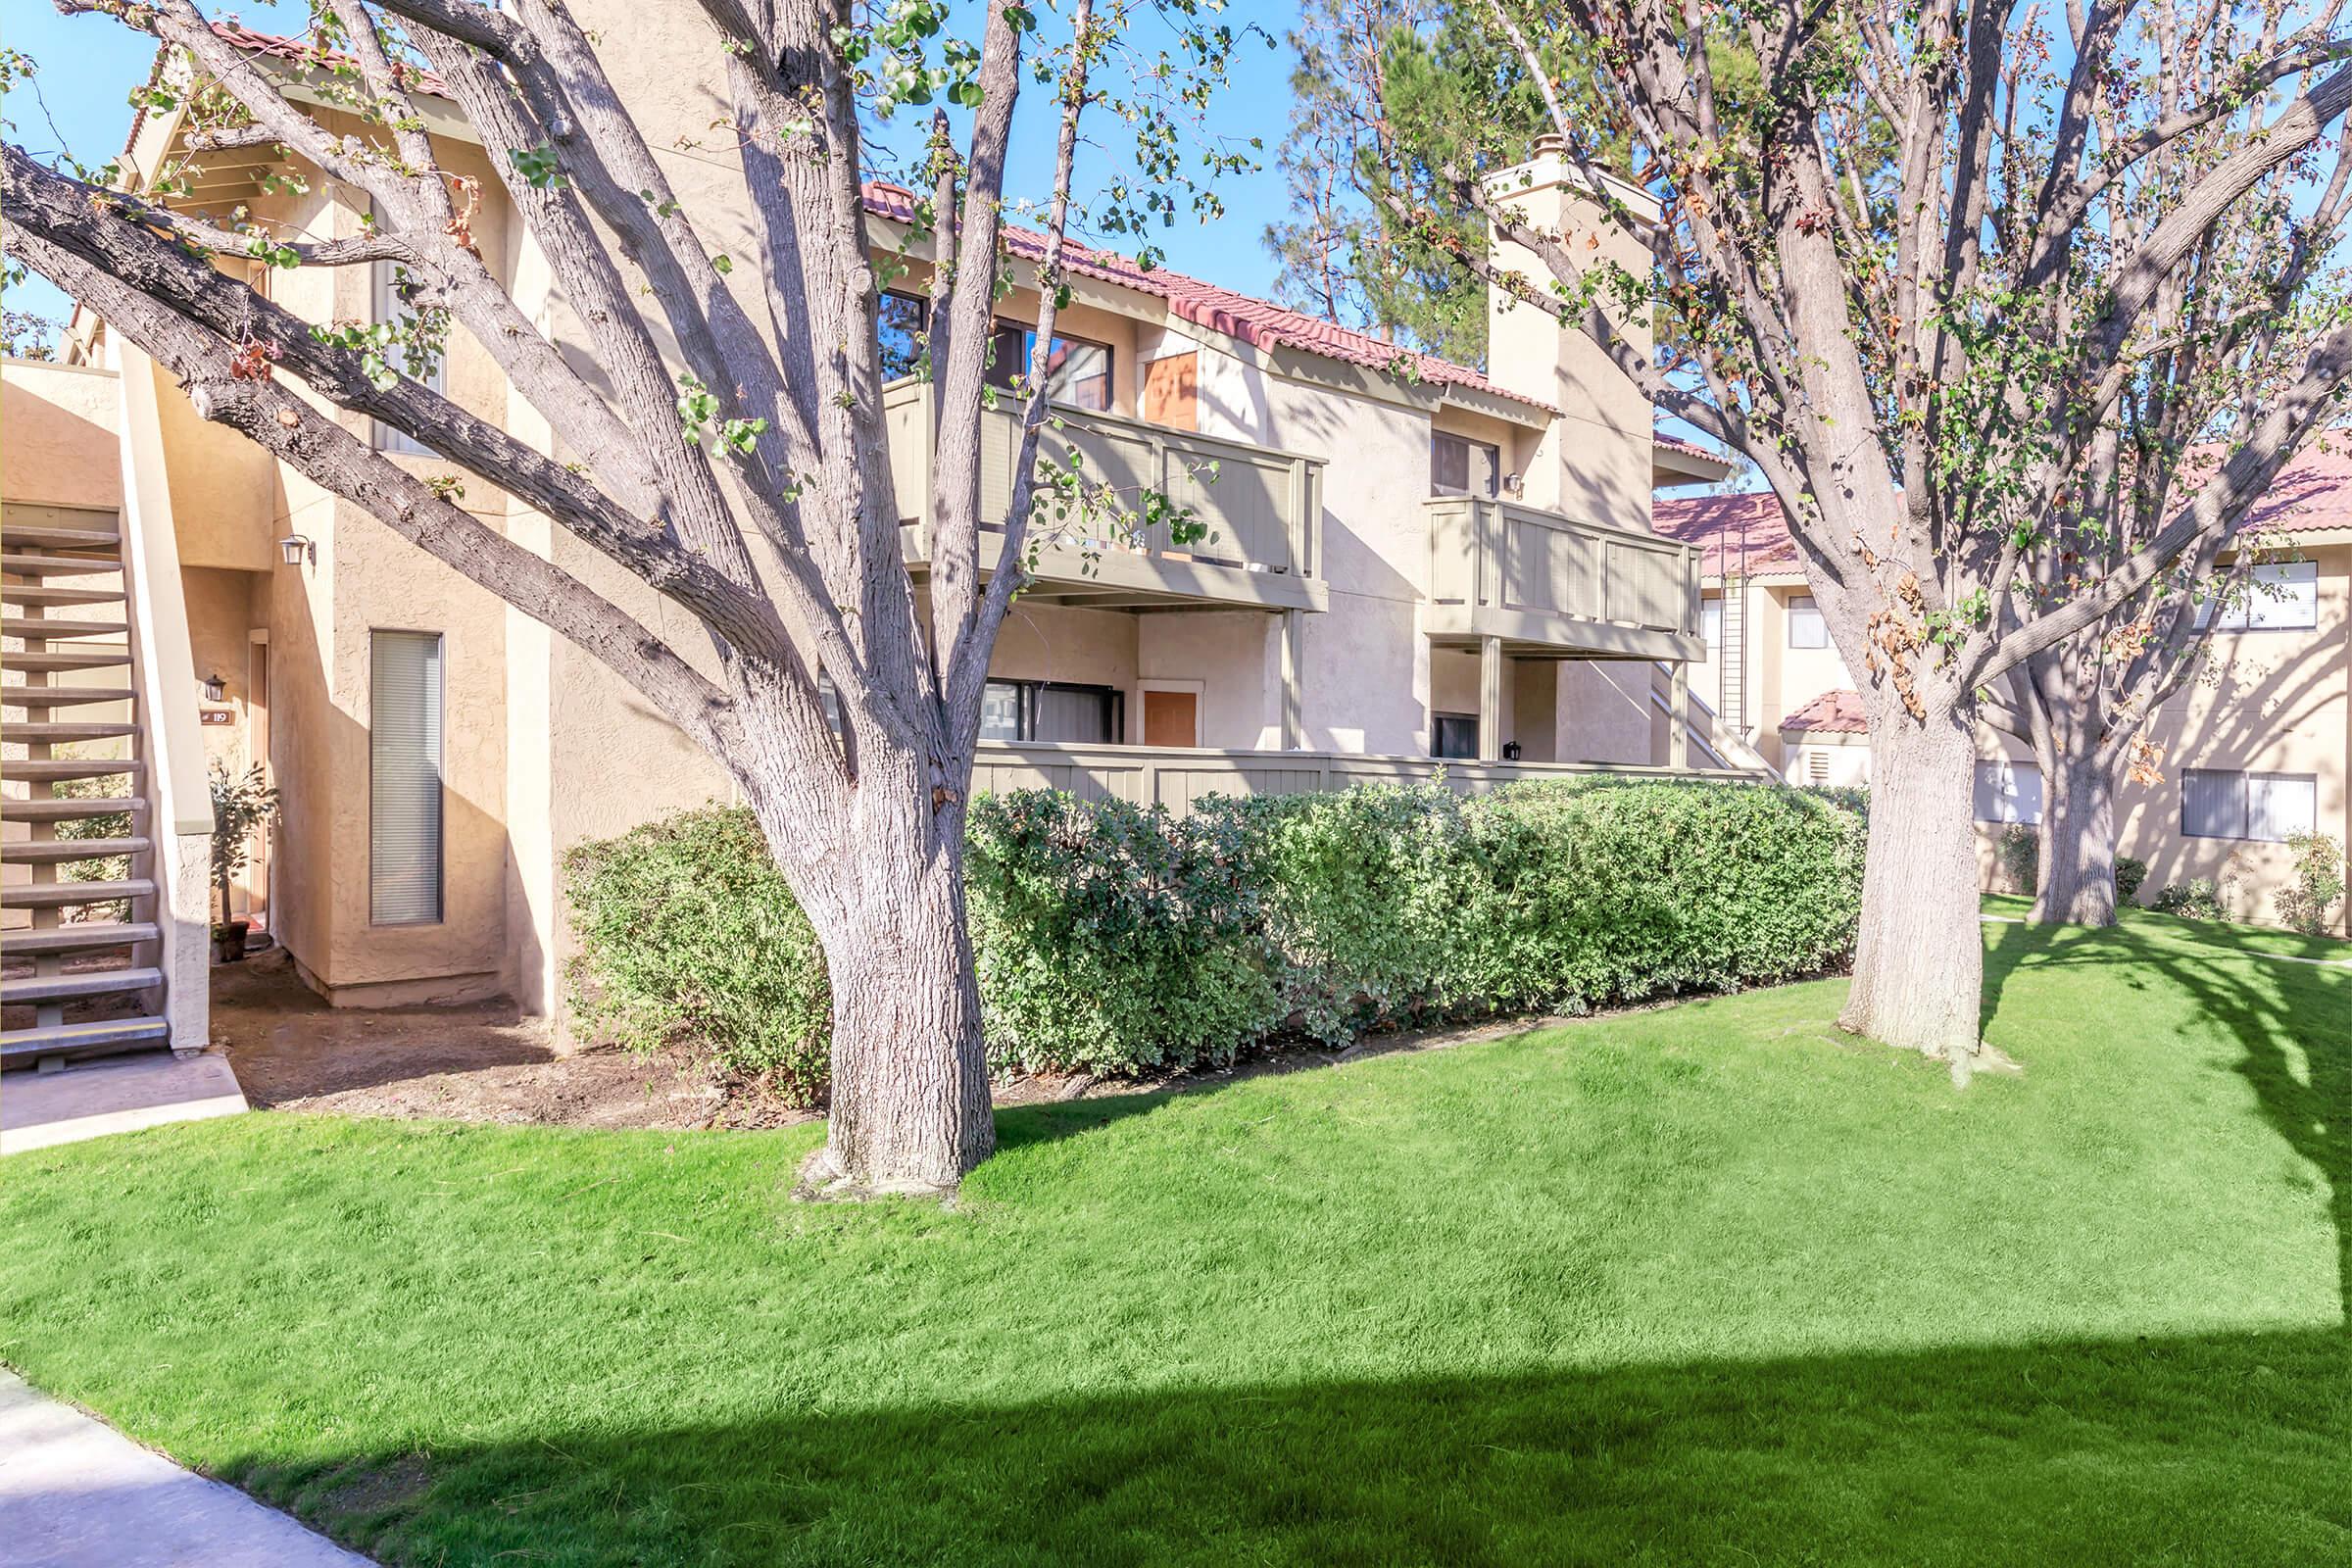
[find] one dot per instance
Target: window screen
(2280, 805)
(1455, 735)
(2008, 792)
(1458, 467)
(403, 743)
(1053, 711)
(1806, 628)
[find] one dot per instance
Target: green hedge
(1116, 939)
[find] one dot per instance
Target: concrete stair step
(86, 936)
(56, 659)
(12, 809)
(22, 1047)
(58, 895)
(26, 565)
(30, 697)
(27, 593)
(55, 733)
(49, 769)
(56, 628)
(15, 538)
(58, 852)
(79, 984)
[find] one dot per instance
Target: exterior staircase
(82, 976)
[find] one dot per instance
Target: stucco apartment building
(2255, 749)
(1408, 561)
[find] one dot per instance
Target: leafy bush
(1110, 938)
(2194, 900)
(2129, 873)
(2021, 857)
(2318, 882)
(1364, 891)
(1615, 890)
(687, 931)
(1117, 939)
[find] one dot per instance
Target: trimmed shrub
(2021, 857)
(2194, 900)
(1609, 891)
(1117, 939)
(1114, 938)
(2129, 873)
(2318, 882)
(1364, 891)
(687, 932)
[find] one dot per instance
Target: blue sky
(88, 64)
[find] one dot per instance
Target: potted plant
(241, 803)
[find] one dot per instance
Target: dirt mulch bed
(474, 1063)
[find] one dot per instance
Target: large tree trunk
(1918, 966)
(910, 1110)
(2078, 842)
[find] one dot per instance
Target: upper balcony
(1547, 583)
(1262, 508)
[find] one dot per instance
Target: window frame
(1471, 446)
(440, 767)
(2239, 617)
(922, 334)
(2007, 793)
(1002, 377)
(1438, 718)
(2247, 781)
(384, 305)
(1026, 697)
(1811, 608)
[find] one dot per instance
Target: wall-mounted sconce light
(297, 549)
(216, 690)
(1515, 483)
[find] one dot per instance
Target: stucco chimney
(1594, 462)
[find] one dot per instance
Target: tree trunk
(909, 1108)
(2078, 843)
(1918, 966)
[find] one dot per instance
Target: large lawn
(1710, 1283)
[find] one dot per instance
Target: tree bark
(1920, 961)
(910, 1110)
(2078, 842)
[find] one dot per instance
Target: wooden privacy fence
(1176, 777)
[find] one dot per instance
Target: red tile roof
(1835, 713)
(1745, 530)
(277, 47)
(2312, 493)
(1262, 323)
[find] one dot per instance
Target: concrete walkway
(75, 1493)
(117, 1095)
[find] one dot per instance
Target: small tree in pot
(241, 803)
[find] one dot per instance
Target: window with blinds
(2270, 808)
(403, 743)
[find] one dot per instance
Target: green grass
(1707, 1285)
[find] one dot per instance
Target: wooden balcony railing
(1500, 568)
(1262, 508)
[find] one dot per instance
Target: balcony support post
(1292, 631)
(1677, 719)
(1490, 698)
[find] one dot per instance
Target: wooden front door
(1171, 391)
(1172, 718)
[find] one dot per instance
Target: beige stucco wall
(58, 441)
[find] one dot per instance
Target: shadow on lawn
(2221, 1449)
(2292, 1023)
